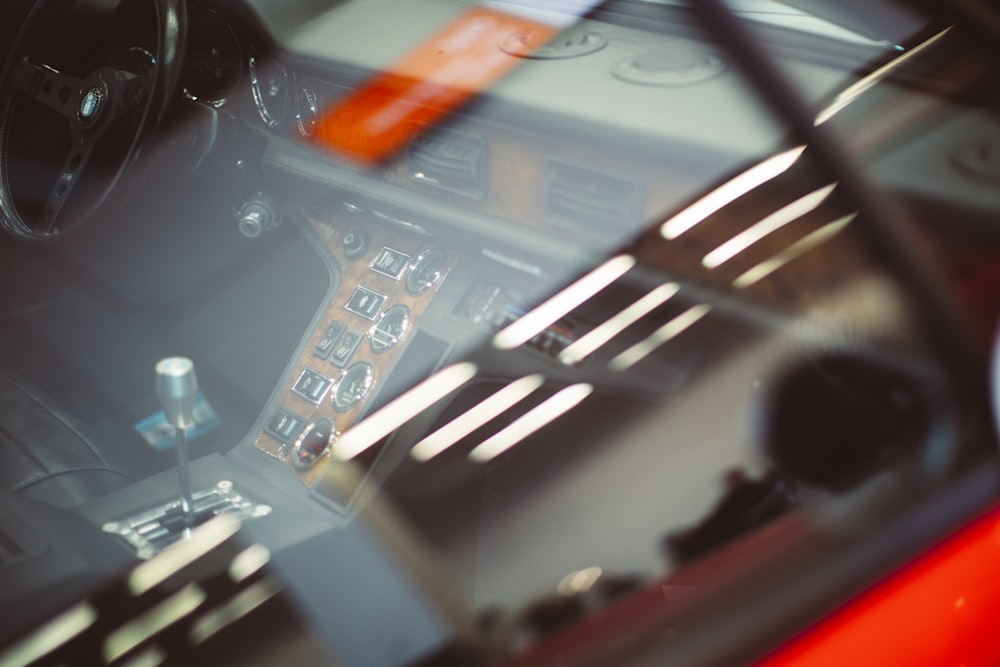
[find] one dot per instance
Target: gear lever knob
(176, 387)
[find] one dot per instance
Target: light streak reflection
(182, 553)
(247, 600)
(664, 334)
(797, 249)
(857, 89)
(57, 632)
(397, 412)
(537, 320)
(767, 225)
(142, 628)
(592, 341)
(475, 417)
(535, 419)
(729, 192)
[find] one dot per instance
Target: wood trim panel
(330, 228)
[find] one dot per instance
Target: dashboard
(564, 160)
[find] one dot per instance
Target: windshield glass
(511, 333)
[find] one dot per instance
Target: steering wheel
(110, 108)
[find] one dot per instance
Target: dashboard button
(312, 386)
(329, 340)
(365, 302)
(285, 425)
(390, 263)
(345, 349)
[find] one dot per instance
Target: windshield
(516, 333)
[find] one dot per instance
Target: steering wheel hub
(91, 105)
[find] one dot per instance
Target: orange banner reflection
(458, 62)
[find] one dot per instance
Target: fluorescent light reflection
(797, 249)
(394, 414)
(178, 555)
(242, 604)
(857, 89)
(771, 223)
(588, 344)
(248, 561)
(729, 192)
(664, 334)
(50, 636)
(157, 619)
(469, 421)
(527, 327)
(539, 416)
(154, 656)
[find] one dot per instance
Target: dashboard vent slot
(451, 161)
(590, 201)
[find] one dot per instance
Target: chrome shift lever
(176, 387)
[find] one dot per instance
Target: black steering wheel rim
(94, 102)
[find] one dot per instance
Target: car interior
(670, 331)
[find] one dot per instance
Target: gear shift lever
(176, 387)
(151, 530)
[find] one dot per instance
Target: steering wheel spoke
(60, 92)
(132, 92)
(69, 176)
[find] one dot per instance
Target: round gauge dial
(391, 328)
(270, 85)
(306, 112)
(426, 272)
(213, 63)
(314, 443)
(353, 386)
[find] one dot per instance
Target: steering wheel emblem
(91, 103)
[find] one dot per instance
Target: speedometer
(270, 85)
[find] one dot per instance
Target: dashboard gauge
(353, 386)
(213, 63)
(426, 272)
(270, 85)
(314, 443)
(391, 328)
(306, 112)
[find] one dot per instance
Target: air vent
(451, 161)
(585, 200)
